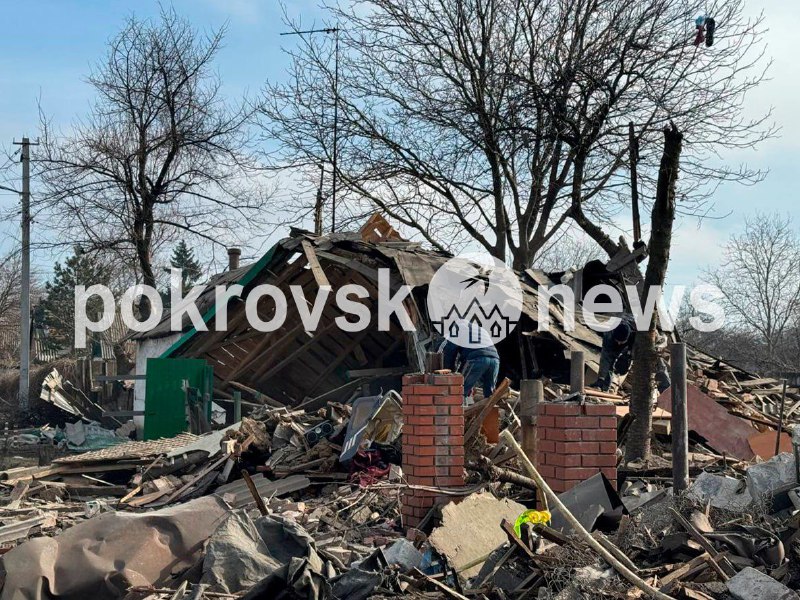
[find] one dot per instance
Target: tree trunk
(644, 349)
(143, 236)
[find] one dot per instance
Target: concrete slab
(725, 493)
(750, 584)
(471, 529)
(768, 476)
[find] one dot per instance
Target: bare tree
(644, 347)
(569, 248)
(160, 151)
(760, 280)
(10, 286)
(499, 121)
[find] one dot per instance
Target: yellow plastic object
(531, 516)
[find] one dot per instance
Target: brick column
(433, 440)
(575, 442)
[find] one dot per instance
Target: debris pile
(520, 495)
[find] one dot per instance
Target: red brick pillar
(433, 440)
(575, 442)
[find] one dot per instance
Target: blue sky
(48, 46)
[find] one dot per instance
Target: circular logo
(474, 302)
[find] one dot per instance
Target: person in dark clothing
(478, 365)
(617, 354)
(617, 351)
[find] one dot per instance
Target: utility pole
(335, 159)
(680, 427)
(25, 291)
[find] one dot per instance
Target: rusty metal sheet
(725, 432)
(763, 444)
(104, 556)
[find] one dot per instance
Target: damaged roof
(293, 365)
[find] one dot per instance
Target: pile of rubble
(291, 503)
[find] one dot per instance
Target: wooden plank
(500, 392)
(316, 268)
(379, 372)
(725, 570)
(354, 343)
(129, 377)
(265, 346)
(262, 377)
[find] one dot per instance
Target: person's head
(621, 334)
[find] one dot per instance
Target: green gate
(166, 394)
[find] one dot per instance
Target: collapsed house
(298, 368)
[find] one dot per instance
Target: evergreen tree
(183, 259)
(58, 305)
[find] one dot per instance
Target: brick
(599, 460)
(417, 480)
(412, 378)
(582, 422)
(611, 474)
(419, 419)
(417, 400)
(608, 423)
(543, 422)
(457, 450)
(599, 435)
(412, 501)
(458, 471)
(565, 460)
(449, 420)
(425, 430)
(608, 448)
(427, 471)
(571, 483)
(546, 446)
(577, 447)
(564, 435)
(441, 461)
(547, 472)
(427, 410)
(417, 440)
(453, 379)
(457, 390)
(600, 410)
(451, 399)
(425, 450)
(450, 481)
(562, 409)
(579, 473)
(426, 389)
